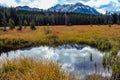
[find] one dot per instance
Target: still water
(81, 61)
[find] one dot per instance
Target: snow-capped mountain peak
(76, 8)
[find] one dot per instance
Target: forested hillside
(12, 17)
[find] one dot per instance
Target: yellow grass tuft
(28, 69)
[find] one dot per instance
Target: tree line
(10, 17)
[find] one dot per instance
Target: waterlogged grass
(115, 65)
(102, 37)
(28, 69)
(96, 77)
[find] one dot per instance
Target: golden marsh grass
(28, 69)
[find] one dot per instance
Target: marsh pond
(79, 60)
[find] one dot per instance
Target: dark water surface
(81, 61)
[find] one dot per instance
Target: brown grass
(64, 32)
(68, 34)
(28, 69)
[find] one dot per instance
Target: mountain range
(75, 8)
(27, 8)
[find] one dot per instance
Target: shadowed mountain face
(75, 8)
(27, 8)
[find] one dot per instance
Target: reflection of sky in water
(119, 53)
(73, 58)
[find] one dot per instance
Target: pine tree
(118, 20)
(66, 19)
(4, 21)
(32, 25)
(53, 19)
(109, 18)
(20, 24)
(25, 23)
(11, 23)
(91, 20)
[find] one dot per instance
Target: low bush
(47, 30)
(52, 39)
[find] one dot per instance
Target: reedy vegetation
(29, 69)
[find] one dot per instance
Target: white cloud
(97, 3)
(8, 2)
(101, 11)
(44, 4)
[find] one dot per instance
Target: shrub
(52, 39)
(47, 30)
(20, 27)
(114, 51)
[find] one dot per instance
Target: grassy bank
(28, 69)
(102, 37)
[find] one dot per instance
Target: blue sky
(100, 5)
